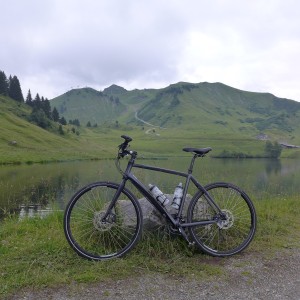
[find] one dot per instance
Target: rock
(152, 219)
(12, 143)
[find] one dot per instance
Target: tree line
(41, 114)
(11, 87)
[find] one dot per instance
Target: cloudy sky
(55, 45)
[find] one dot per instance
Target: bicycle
(103, 220)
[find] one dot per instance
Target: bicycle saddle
(199, 151)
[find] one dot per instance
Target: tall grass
(34, 252)
(278, 223)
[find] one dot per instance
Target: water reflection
(273, 166)
(34, 210)
(36, 189)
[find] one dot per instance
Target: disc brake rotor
(101, 225)
(228, 222)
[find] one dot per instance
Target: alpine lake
(38, 189)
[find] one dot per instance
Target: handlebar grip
(126, 138)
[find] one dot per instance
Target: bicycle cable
(118, 164)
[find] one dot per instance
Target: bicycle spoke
(93, 236)
(230, 235)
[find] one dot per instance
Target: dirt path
(149, 124)
(246, 276)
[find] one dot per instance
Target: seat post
(190, 171)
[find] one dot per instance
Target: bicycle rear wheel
(229, 236)
(89, 235)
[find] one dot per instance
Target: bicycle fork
(105, 217)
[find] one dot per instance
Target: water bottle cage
(164, 202)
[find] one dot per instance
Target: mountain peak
(114, 89)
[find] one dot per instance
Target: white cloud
(54, 45)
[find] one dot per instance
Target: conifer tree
(15, 91)
(3, 84)
(39, 117)
(29, 98)
(55, 115)
(62, 121)
(37, 101)
(46, 107)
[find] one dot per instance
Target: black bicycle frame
(175, 220)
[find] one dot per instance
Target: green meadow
(34, 252)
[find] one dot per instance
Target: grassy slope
(216, 108)
(87, 105)
(199, 120)
(34, 144)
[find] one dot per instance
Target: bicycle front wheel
(234, 232)
(97, 238)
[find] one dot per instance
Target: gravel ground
(246, 276)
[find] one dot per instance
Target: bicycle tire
(228, 237)
(94, 239)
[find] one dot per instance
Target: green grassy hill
(88, 105)
(195, 115)
(22, 141)
(209, 109)
(216, 107)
